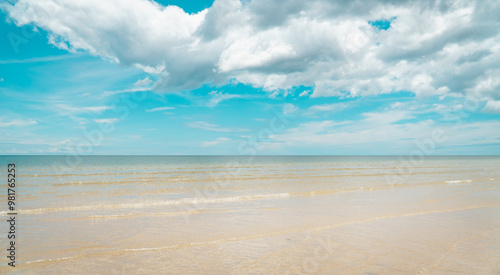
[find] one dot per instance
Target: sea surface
(253, 215)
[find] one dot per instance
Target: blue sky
(251, 77)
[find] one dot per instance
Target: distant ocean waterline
(263, 214)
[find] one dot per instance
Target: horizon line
(214, 155)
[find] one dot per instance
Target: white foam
(107, 216)
(198, 200)
(48, 260)
(458, 181)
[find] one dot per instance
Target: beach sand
(262, 215)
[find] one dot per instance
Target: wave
(214, 200)
(49, 260)
(168, 214)
(184, 201)
(85, 173)
(229, 177)
(458, 181)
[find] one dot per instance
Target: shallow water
(240, 215)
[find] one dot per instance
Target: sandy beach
(272, 215)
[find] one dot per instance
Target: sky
(251, 77)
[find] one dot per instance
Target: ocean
(257, 215)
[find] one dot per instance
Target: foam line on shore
(184, 201)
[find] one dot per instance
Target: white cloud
(107, 120)
(18, 123)
(71, 110)
(38, 59)
(492, 106)
(277, 45)
(212, 127)
(305, 93)
(386, 117)
(66, 141)
(130, 90)
(207, 126)
(217, 97)
(136, 32)
(143, 82)
(97, 109)
(382, 136)
(334, 107)
(215, 142)
(289, 108)
(135, 137)
(160, 109)
(398, 105)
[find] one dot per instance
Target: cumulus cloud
(430, 47)
(305, 93)
(492, 106)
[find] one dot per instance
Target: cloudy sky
(249, 77)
